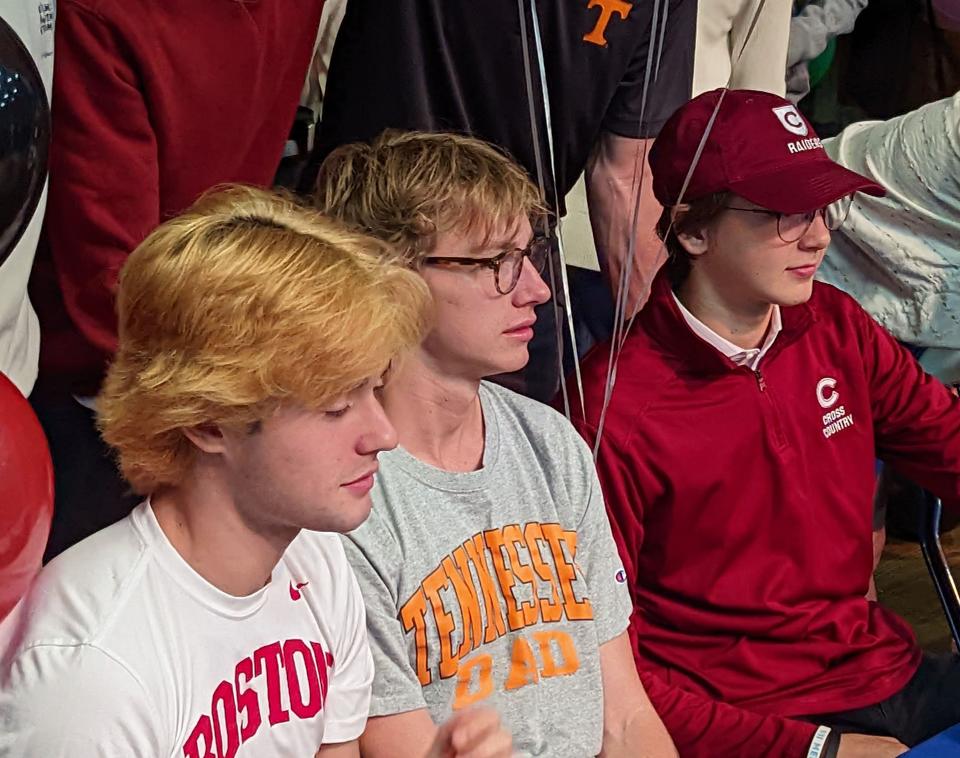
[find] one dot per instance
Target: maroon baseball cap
(760, 147)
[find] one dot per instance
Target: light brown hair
(695, 215)
(408, 187)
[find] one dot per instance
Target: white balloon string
(564, 279)
(541, 183)
(654, 53)
(566, 314)
(531, 106)
(619, 336)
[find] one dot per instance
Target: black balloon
(24, 138)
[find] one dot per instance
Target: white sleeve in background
(75, 701)
(724, 53)
(316, 81)
(898, 255)
(818, 23)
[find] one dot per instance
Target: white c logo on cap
(791, 120)
(830, 400)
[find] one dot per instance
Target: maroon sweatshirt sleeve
(916, 418)
(700, 726)
(104, 193)
(705, 728)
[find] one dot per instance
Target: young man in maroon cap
(737, 456)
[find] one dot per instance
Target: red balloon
(26, 495)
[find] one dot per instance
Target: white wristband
(816, 745)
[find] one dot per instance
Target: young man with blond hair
(243, 402)
(487, 565)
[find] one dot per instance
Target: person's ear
(694, 242)
(208, 438)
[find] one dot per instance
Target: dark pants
(928, 704)
(89, 492)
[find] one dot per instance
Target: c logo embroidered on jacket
(827, 401)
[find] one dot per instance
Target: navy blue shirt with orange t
(456, 65)
(468, 67)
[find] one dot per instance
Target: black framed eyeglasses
(792, 226)
(507, 265)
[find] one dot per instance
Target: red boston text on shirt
(236, 712)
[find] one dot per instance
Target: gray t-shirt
(496, 586)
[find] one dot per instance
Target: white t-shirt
(121, 649)
(19, 330)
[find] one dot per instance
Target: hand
(868, 746)
(474, 733)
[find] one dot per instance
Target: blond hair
(407, 187)
(246, 301)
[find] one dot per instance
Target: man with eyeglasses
(737, 456)
(487, 565)
(574, 89)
